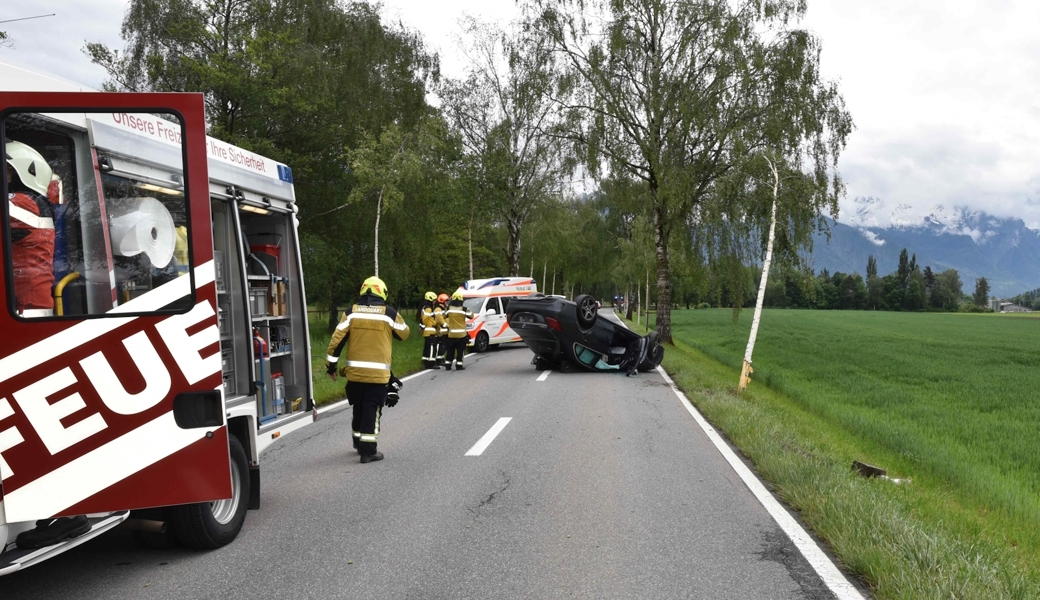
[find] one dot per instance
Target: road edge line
(832, 577)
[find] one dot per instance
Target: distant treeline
(908, 288)
(1030, 299)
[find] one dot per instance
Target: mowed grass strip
(934, 397)
(407, 357)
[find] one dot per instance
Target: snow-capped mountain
(1004, 251)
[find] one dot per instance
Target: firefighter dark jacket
(456, 316)
(367, 330)
(431, 322)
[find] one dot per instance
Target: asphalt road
(600, 486)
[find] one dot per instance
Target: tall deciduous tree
(948, 289)
(981, 295)
(679, 94)
(503, 111)
(388, 166)
(296, 80)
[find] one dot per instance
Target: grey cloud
(55, 44)
(931, 165)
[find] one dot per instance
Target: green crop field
(947, 400)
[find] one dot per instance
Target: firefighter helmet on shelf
(443, 298)
(457, 295)
(374, 285)
(32, 169)
(431, 296)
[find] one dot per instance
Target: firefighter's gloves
(393, 389)
(330, 368)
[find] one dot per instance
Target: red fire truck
(154, 319)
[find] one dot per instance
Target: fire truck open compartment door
(110, 392)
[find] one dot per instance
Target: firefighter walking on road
(367, 330)
(430, 331)
(439, 314)
(457, 336)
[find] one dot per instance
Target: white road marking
(825, 568)
(414, 375)
(543, 376)
(489, 437)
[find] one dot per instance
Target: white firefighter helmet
(32, 169)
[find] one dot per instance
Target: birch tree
(503, 111)
(677, 93)
(745, 371)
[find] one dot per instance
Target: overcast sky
(945, 94)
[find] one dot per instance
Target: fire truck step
(19, 558)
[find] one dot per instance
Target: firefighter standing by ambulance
(367, 329)
(457, 336)
(430, 331)
(439, 314)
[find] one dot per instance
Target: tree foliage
(681, 95)
(305, 82)
(503, 111)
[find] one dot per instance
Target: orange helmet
(443, 298)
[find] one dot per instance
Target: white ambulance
(488, 300)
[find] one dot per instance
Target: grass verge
(406, 358)
(917, 541)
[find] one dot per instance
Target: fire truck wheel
(214, 524)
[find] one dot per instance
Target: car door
(496, 323)
(508, 334)
(110, 398)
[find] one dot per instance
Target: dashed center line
(543, 376)
(489, 437)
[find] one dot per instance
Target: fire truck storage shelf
(271, 313)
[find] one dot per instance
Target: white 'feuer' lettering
(46, 417)
(9, 438)
(185, 348)
(112, 392)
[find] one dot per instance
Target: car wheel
(482, 343)
(213, 524)
(654, 354)
(587, 311)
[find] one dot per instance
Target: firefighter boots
(367, 458)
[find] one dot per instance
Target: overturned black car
(561, 333)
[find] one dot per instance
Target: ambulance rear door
(110, 395)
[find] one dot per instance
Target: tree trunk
(379, 212)
(545, 265)
(639, 303)
(746, 370)
(647, 311)
(554, 282)
(628, 302)
(514, 249)
(664, 279)
(333, 311)
(469, 242)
